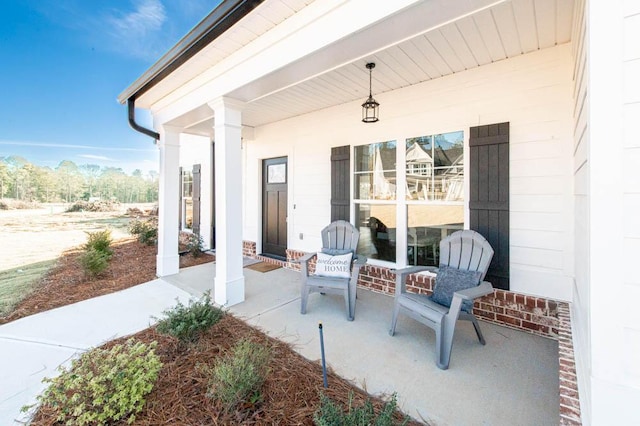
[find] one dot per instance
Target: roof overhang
(287, 58)
(223, 17)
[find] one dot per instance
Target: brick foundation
(569, 400)
(531, 314)
(249, 249)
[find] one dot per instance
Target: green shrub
(99, 241)
(94, 262)
(186, 323)
(104, 385)
(331, 414)
(145, 230)
(239, 375)
(195, 244)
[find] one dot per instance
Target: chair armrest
(359, 259)
(483, 289)
(305, 258)
(401, 276)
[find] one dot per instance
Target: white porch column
(229, 281)
(167, 260)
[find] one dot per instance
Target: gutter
(223, 17)
(131, 107)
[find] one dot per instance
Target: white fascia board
(317, 27)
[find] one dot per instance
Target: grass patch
(18, 283)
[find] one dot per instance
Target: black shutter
(489, 195)
(196, 199)
(180, 200)
(340, 208)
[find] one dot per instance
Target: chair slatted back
(467, 250)
(340, 235)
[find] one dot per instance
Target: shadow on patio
(511, 380)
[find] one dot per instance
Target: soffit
(505, 30)
(264, 18)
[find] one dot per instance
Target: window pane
(375, 171)
(377, 225)
(188, 213)
(187, 184)
(427, 225)
(435, 167)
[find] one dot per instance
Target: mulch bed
(132, 263)
(290, 396)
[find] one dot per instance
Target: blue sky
(64, 62)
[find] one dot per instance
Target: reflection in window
(375, 179)
(187, 200)
(435, 182)
(427, 225)
(377, 225)
(435, 167)
(375, 171)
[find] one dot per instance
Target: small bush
(330, 414)
(195, 244)
(186, 323)
(239, 375)
(94, 262)
(145, 230)
(104, 386)
(99, 241)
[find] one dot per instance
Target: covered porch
(511, 380)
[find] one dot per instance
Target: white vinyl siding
(532, 92)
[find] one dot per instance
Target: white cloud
(95, 157)
(148, 16)
(138, 32)
(70, 146)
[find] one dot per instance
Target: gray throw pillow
(449, 280)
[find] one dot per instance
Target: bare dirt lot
(30, 236)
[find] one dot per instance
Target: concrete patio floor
(512, 380)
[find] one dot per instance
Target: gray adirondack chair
(467, 250)
(339, 237)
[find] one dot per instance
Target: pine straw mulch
(290, 395)
(132, 263)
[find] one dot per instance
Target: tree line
(69, 182)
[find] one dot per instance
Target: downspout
(131, 107)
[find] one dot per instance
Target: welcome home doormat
(263, 266)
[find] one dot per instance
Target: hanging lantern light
(370, 106)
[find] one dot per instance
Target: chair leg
(476, 326)
(347, 303)
(303, 299)
(394, 318)
(447, 327)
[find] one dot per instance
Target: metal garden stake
(324, 365)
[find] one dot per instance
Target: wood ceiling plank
(507, 28)
(525, 17)
(546, 22)
(427, 68)
(469, 31)
(459, 45)
(564, 21)
(489, 33)
(434, 57)
(445, 51)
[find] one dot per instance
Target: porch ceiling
(504, 30)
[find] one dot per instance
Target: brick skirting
(532, 314)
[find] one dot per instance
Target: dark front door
(274, 207)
